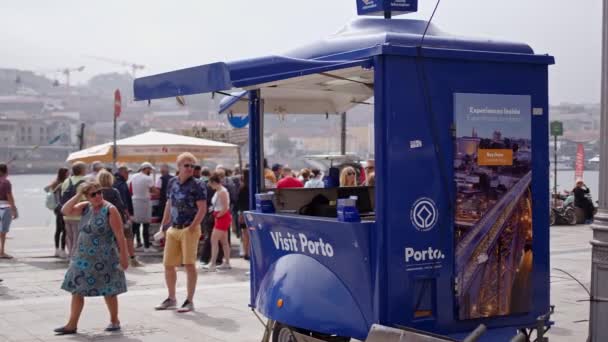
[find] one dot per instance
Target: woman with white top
(315, 180)
(223, 220)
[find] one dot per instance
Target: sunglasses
(187, 166)
(350, 173)
(94, 194)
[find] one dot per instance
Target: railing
(488, 257)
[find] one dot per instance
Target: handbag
(208, 221)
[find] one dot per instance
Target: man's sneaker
(209, 268)
(149, 250)
(224, 266)
(56, 253)
(168, 304)
(63, 254)
(186, 307)
(133, 262)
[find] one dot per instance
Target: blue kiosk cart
(454, 235)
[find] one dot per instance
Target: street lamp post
(598, 329)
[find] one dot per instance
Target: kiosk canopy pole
(256, 163)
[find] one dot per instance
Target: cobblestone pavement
(32, 305)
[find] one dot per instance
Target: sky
(163, 35)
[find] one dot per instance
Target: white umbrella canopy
(154, 147)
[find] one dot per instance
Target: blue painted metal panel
(413, 136)
(195, 80)
(379, 239)
(360, 37)
(467, 55)
(409, 119)
(307, 288)
(343, 267)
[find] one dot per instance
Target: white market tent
(154, 147)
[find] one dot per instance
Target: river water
(30, 196)
(566, 180)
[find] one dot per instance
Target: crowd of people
(133, 195)
(102, 219)
(281, 177)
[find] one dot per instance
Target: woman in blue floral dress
(98, 264)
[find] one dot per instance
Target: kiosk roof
(331, 75)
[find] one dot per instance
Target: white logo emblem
(424, 214)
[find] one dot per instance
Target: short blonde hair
(88, 186)
(105, 179)
(186, 156)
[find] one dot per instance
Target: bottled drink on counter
(263, 202)
(347, 210)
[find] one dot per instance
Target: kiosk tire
(283, 333)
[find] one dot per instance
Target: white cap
(146, 165)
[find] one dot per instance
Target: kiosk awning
(330, 92)
(287, 84)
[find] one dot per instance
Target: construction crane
(134, 66)
(67, 72)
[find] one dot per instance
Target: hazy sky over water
(164, 35)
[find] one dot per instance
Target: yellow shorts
(181, 246)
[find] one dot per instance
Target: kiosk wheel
(284, 333)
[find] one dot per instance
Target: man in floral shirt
(185, 209)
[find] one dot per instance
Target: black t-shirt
(579, 196)
(242, 203)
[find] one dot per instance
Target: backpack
(70, 191)
(113, 196)
(51, 201)
(318, 206)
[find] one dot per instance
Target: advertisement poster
(493, 210)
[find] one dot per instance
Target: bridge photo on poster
(493, 218)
